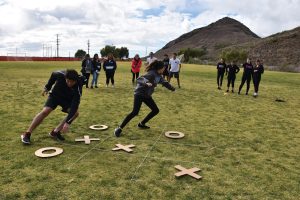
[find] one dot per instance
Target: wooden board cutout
(184, 171)
(86, 139)
(98, 127)
(174, 134)
(124, 147)
(39, 152)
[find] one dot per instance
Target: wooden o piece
(190, 172)
(39, 152)
(98, 127)
(174, 134)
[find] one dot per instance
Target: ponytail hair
(155, 65)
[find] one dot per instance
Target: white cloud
(123, 23)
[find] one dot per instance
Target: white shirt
(174, 64)
(150, 60)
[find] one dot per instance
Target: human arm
(50, 82)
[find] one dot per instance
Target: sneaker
(113, 86)
(219, 88)
(227, 90)
(118, 131)
(25, 138)
(56, 136)
(92, 87)
(232, 91)
(96, 86)
(143, 126)
(246, 93)
(106, 85)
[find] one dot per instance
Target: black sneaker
(227, 90)
(25, 138)
(56, 136)
(246, 93)
(118, 132)
(143, 126)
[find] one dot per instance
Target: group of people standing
(250, 72)
(93, 67)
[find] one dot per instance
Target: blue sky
(140, 25)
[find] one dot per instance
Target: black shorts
(53, 102)
(175, 74)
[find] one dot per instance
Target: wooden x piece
(184, 171)
(86, 139)
(124, 147)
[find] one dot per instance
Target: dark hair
(155, 65)
(175, 54)
(95, 56)
(87, 55)
(71, 74)
(166, 55)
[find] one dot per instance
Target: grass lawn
(247, 148)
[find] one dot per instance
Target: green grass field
(247, 148)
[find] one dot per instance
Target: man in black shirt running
(66, 93)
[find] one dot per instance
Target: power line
(57, 46)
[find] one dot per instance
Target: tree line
(120, 53)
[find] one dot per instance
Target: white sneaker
(106, 85)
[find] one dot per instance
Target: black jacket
(62, 92)
(142, 89)
(248, 69)
(257, 71)
(109, 66)
(232, 70)
(96, 66)
(221, 67)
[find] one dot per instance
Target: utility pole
(57, 46)
(88, 46)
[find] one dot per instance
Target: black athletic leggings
(220, 78)
(244, 78)
(134, 76)
(87, 76)
(138, 100)
(231, 79)
(256, 81)
(110, 76)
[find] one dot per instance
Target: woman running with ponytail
(143, 91)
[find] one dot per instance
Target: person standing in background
(150, 59)
(248, 70)
(257, 71)
(96, 67)
(166, 61)
(175, 67)
(221, 66)
(231, 71)
(135, 67)
(110, 66)
(86, 68)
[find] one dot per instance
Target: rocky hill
(280, 50)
